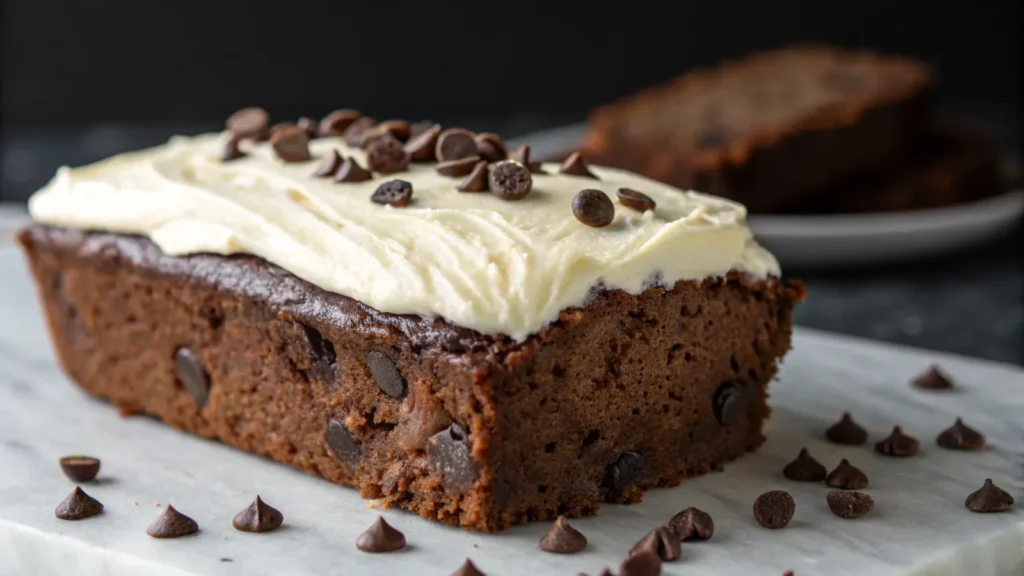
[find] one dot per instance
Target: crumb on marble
(372, 504)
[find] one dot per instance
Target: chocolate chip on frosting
(490, 147)
(335, 123)
(421, 146)
(510, 180)
(636, 200)
(397, 193)
(455, 168)
(386, 155)
(477, 179)
(455, 143)
(291, 144)
(593, 208)
(310, 126)
(575, 166)
(357, 132)
(231, 151)
(328, 165)
(351, 171)
(398, 129)
(522, 155)
(250, 123)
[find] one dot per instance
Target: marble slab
(919, 525)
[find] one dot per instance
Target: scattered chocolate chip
(358, 130)
(455, 143)
(575, 166)
(310, 126)
(731, 401)
(80, 468)
(846, 476)
(380, 537)
(897, 444)
(328, 165)
(663, 542)
(849, 504)
(280, 126)
(805, 468)
(417, 128)
(960, 436)
(846, 432)
(342, 443)
(291, 144)
(490, 147)
(989, 498)
(386, 374)
(509, 180)
(636, 200)
(351, 171)
(468, 569)
(337, 122)
(522, 155)
(448, 451)
(774, 509)
(386, 155)
(593, 208)
(258, 517)
(249, 123)
(231, 151)
(398, 129)
(192, 374)
(643, 564)
(692, 524)
(625, 471)
(563, 538)
(421, 146)
(172, 524)
(78, 506)
(477, 179)
(932, 379)
(456, 168)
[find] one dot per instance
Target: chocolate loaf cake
(770, 129)
(479, 358)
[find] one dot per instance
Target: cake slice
(481, 358)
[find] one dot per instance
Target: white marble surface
(919, 525)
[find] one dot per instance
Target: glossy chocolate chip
(731, 401)
(80, 468)
(562, 538)
(323, 361)
(351, 171)
(78, 506)
(846, 432)
(522, 155)
(386, 374)
(456, 168)
(490, 147)
(421, 146)
(643, 564)
(385, 154)
(337, 122)
(231, 151)
(960, 436)
(593, 208)
(400, 130)
(310, 126)
(575, 166)
(455, 143)
(477, 179)
(342, 443)
(291, 144)
(625, 471)
(358, 131)
(449, 454)
(804, 468)
(662, 541)
(258, 517)
(172, 524)
(249, 123)
(692, 524)
(328, 165)
(380, 537)
(635, 199)
(846, 476)
(192, 374)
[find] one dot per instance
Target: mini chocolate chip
(509, 180)
(848, 504)
(692, 524)
(562, 538)
(932, 379)
(575, 166)
(522, 155)
(846, 432)
(897, 444)
(448, 452)
(337, 122)
(805, 468)
(468, 569)
(328, 165)
(774, 509)
(358, 131)
(380, 537)
(662, 541)
(636, 200)
(477, 179)
(490, 147)
(341, 441)
(80, 468)
(172, 524)
(192, 374)
(960, 436)
(625, 471)
(846, 476)
(350, 171)
(593, 208)
(258, 517)
(78, 506)
(231, 151)
(386, 374)
(642, 564)
(421, 146)
(989, 498)
(456, 168)
(455, 143)
(731, 401)
(397, 193)
(249, 123)
(291, 144)
(310, 126)
(386, 155)
(399, 129)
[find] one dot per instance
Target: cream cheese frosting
(481, 262)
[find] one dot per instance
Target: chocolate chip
(490, 147)
(846, 432)
(249, 123)
(932, 379)
(642, 564)
(509, 180)
(310, 126)
(351, 171)
(625, 471)
(848, 504)
(563, 538)
(258, 517)
(774, 509)
(593, 208)
(897, 444)
(398, 129)
(280, 126)
(959, 436)
(192, 374)
(417, 128)
(662, 541)
(357, 132)
(989, 498)
(468, 569)
(78, 506)
(380, 537)
(386, 155)
(291, 144)
(421, 146)
(172, 524)
(731, 401)
(455, 143)
(575, 166)
(477, 179)
(231, 151)
(386, 374)
(636, 200)
(456, 168)
(397, 193)
(337, 122)
(449, 453)
(342, 443)
(80, 468)
(692, 524)
(805, 468)
(846, 476)
(522, 155)
(328, 165)
(324, 360)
